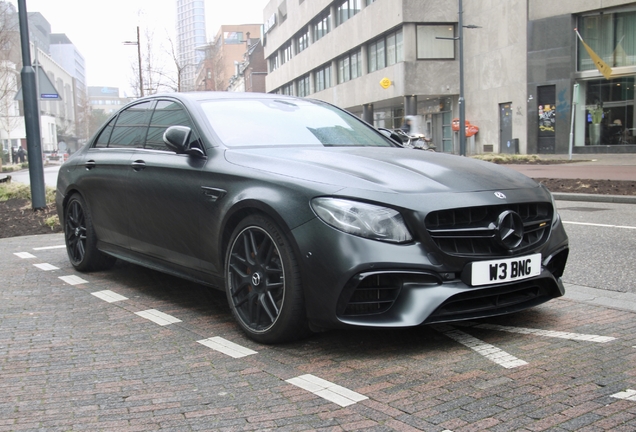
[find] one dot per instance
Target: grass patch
(508, 159)
(23, 191)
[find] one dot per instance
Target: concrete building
(106, 99)
(386, 59)
(190, 36)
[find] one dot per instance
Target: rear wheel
(263, 284)
(81, 241)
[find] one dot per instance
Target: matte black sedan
(306, 216)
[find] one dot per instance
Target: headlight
(555, 214)
(361, 219)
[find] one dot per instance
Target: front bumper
(350, 281)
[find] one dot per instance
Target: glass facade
(429, 47)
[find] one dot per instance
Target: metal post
(462, 107)
(31, 114)
(141, 79)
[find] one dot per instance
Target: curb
(621, 199)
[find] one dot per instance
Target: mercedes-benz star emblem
(500, 195)
(509, 231)
(256, 279)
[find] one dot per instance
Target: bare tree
(155, 79)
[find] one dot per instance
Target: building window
(302, 41)
(273, 62)
(385, 51)
(287, 89)
(346, 10)
(322, 26)
(322, 78)
(232, 38)
(287, 53)
(303, 86)
(429, 47)
(612, 36)
(350, 66)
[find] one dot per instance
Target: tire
(81, 241)
(262, 283)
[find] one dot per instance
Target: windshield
(276, 122)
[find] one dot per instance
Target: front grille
(471, 231)
(495, 301)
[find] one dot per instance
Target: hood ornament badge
(500, 195)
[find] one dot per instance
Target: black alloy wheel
(81, 239)
(263, 283)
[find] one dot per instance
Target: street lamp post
(141, 79)
(462, 101)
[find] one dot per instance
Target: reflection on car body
(306, 216)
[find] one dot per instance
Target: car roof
(217, 95)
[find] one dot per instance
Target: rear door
(107, 187)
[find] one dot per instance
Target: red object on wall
(470, 128)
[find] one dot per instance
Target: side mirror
(392, 135)
(176, 138)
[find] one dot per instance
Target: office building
(190, 36)
(387, 59)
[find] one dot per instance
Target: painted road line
(158, 317)
(109, 296)
(24, 255)
(600, 225)
(73, 280)
(548, 333)
(46, 266)
(627, 395)
(491, 352)
(226, 347)
(49, 247)
(327, 390)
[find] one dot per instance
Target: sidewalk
(619, 167)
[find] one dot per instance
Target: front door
(506, 144)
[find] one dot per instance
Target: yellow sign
(385, 83)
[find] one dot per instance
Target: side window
(131, 126)
(166, 114)
(102, 139)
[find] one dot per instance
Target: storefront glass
(609, 111)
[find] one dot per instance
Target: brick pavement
(72, 361)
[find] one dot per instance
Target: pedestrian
(406, 127)
(14, 155)
(21, 155)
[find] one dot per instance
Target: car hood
(383, 169)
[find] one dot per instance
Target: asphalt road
(50, 175)
(602, 245)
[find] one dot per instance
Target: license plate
(505, 270)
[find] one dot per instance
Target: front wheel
(81, 241)
(262, 282)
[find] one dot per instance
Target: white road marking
(109, 296)
(24, 255)
(46, 266)
(600, 225)
(158, 317)
(73, 280)
(627, 395)
(491, 352)
(49, 247)
(548, 333)
(226, 347)
(327, 390)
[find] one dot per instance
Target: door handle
(90, 164)
(138, 165)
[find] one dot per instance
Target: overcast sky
(98, 28)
